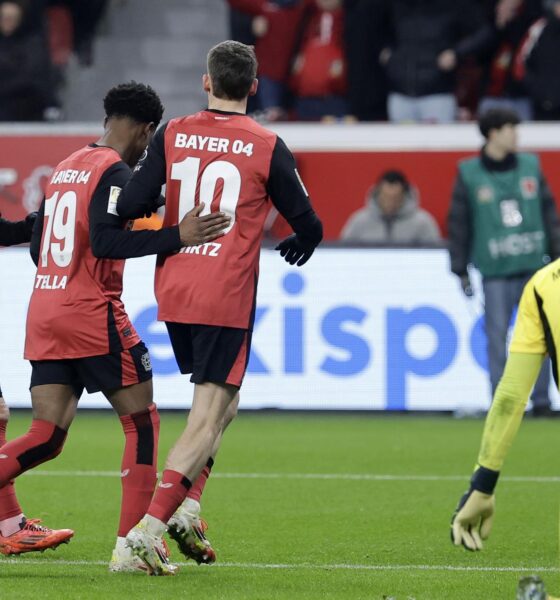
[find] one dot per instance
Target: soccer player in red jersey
(17, 533)
(206, 294)
(78, 333)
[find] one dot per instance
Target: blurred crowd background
(320, 60)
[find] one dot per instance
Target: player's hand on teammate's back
(472, 520)
(195, 230)
(294, 250)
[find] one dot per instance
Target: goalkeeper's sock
(139, 466)
(198, 487)
(44, 441)
(11, 513)
(169, 495)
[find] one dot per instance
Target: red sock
(139, 466)
(169, 495)
(198, 487)
(44, 441)
(9, 505)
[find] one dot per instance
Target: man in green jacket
(503, 221)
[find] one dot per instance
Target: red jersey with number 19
(222, 160)
(76, 309)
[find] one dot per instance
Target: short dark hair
(232, 67)
(137, 101)
(393, 176)
(496, 118)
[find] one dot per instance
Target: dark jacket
(542, 65)
(419, 30)
(26, 76)
(503, 73)
(459, 218)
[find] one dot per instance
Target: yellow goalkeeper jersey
(537, 327)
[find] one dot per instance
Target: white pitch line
(314, 476)
(302, 566)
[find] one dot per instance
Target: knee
(49, 439)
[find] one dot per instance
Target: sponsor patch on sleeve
(114, 194)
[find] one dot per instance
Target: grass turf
(284, 537)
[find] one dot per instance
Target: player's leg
(212, 354)
(197, 489)
(54, 407)
(193, 448)
(11, 514)
(186, 526)
(184, 463)
(125, 378)
(140, 422)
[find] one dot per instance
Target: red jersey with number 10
(223, 160)
(76, 309)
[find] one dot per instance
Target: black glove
(29, 222)
(466, 285)
(295, 251)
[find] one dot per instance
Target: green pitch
(349, 507)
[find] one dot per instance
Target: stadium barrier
(338, 163)
(355, 329)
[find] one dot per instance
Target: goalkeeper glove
(472, 520)
(295, 251)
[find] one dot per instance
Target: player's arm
(16, 232)
(37, 234)
(141, 194)
(472, 520)
(109, 240)
(289, 196)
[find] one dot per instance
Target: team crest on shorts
(146, 362)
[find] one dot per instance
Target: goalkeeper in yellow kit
(536, 334)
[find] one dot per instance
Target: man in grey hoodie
(392, 215)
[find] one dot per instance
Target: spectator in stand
(392, 216)
(276, 26)
(504, 77)
(367, 83)
(241, 27)
(426, 40)
(319, 72)
(503, 220)
(86, 16)
(541, 51)
(25, 70)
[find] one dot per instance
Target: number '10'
(187, 172)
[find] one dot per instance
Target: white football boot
(188, 530)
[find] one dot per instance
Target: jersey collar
(224, 112)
